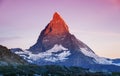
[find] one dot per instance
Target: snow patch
(58, 57)
(57, 48)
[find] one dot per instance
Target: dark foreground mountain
(57, 46)
(8, 58)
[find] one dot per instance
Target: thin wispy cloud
(3, 39)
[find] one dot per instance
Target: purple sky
(95, 22)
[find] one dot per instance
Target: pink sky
(95, 22)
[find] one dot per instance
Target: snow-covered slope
(61, 54)
(57, 53)
(99, 60)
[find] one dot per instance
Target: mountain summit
(56, 26)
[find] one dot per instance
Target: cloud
(2, 39)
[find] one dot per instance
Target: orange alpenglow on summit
(57, 25)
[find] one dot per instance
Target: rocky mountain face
(9, 58)
(51, 35)
(57, 32)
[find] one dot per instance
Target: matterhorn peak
(56, 26)
(57, 46)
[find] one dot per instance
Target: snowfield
(57, 53)
(60, 53)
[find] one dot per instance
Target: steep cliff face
(9, 58)
(57, 32)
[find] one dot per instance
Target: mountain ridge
(9, 58)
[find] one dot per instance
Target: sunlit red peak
(56, 25)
